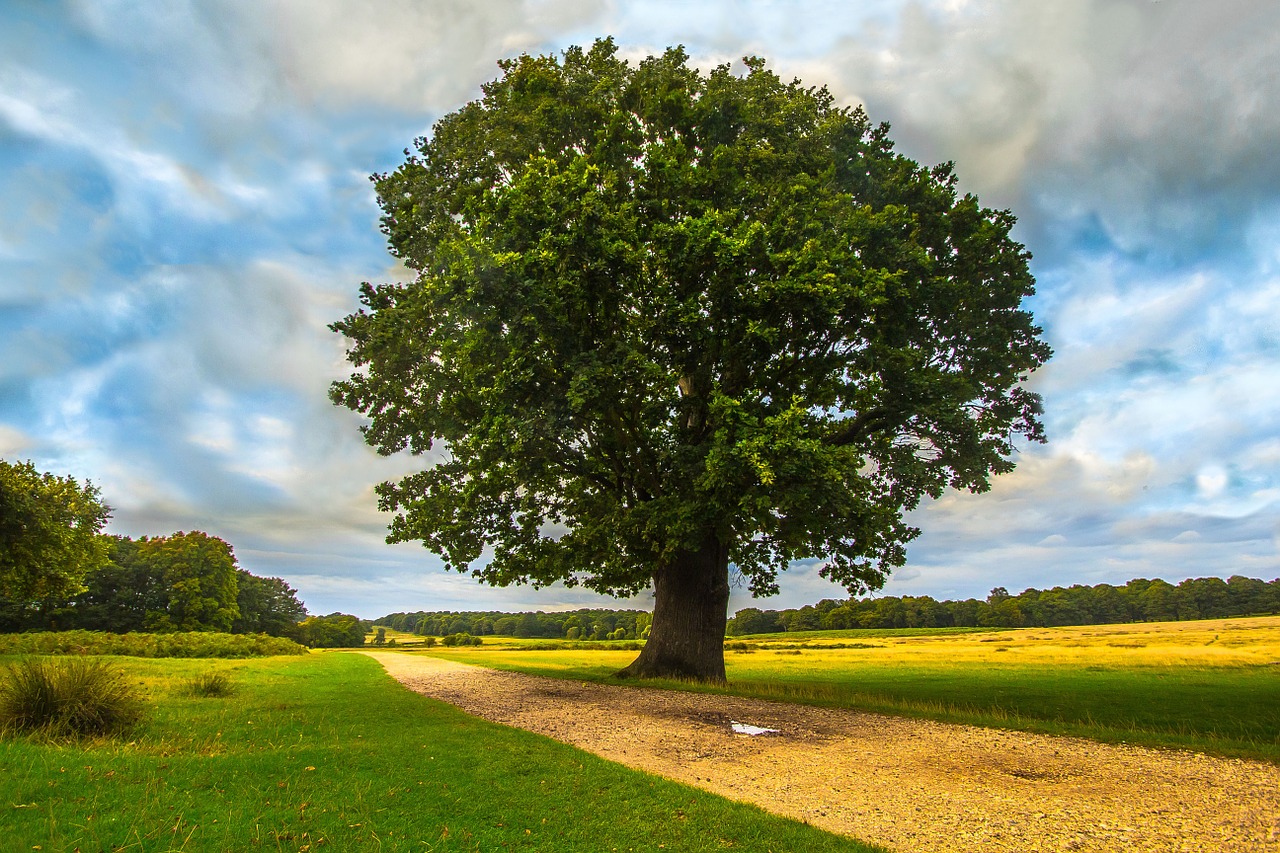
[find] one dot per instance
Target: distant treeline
(180, 583)
(572, 625)
(1139, 600)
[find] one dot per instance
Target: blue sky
(185, 206)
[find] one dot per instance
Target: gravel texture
(910, 785)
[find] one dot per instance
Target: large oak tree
(663, 323)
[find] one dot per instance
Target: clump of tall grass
(209, 685)
(73, 698)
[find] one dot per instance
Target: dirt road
(907, 784)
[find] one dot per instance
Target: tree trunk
(690, 611)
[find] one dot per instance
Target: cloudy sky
(184, 207)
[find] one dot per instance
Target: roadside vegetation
(328, 752)
(1211, 686)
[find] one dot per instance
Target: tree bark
(690, 612)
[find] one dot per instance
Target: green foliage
(752, 620)
(633, 623)
(671, 313)
(209, 685)
(335, 631)
(75, 697)
(199, 573)
(48, 533)
(266, 605)
(120, 596)
(461, 640)
(204, 644)
(166, 584)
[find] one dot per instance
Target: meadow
(1211, 686)
(326, 751)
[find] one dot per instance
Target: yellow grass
(402, 638)
(1209, 643)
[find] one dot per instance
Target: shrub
(627, 646)
(460, 639)
(194, 644)
(209, 685)
(72, 698)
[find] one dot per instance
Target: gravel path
(910, 785)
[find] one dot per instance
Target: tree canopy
(183, 582)
(49, 529)
(664, 321)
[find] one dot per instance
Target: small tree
(664, 321)
(49, 533)
(334, 631)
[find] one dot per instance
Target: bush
(610, 645)
(461, 639)
(193, 644)
(73, 698)
(209, 685)
(335, 631)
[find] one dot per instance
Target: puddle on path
(748, 729)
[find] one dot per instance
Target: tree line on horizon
(586, 624)
(183, 582)
(1139, 600)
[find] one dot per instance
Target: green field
(1212, 686)
(326, 751)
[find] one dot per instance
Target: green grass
(328, 752)
(1231, 710)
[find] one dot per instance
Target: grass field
(325, 751)
(402, 638)
(1211, 685)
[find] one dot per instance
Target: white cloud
(1211, 481)
(1154, 120)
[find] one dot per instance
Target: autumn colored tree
(662, 322)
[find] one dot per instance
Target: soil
(909, 785)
